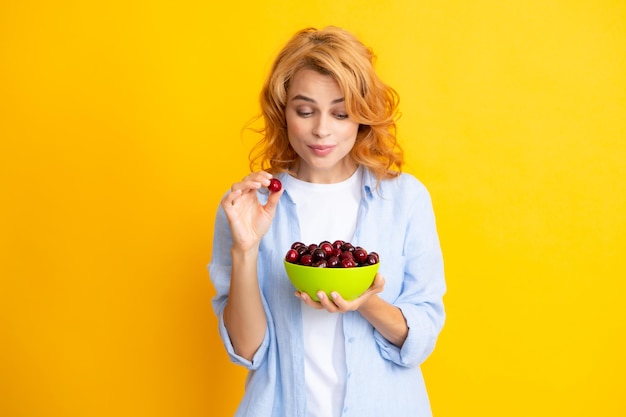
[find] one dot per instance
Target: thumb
(272, 201)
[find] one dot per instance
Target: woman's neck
(330, 176)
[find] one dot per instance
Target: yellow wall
(119, 131)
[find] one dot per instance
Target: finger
(326, 302)
(247, 185)
(239, 196)
(264, 175)
(273, 199)
(230, 198)
(261, 177)
(308, 300)
(254, 181)
(379, 283)
(339, 301)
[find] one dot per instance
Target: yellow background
(120, 129)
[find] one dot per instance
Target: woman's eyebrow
(310, 100)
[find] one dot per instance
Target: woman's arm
(386, 318)
(244, 316)
(416, 316)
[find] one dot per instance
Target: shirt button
(351, 340)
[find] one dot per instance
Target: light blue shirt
(397, 221)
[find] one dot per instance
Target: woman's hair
(369, 102)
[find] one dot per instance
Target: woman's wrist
(386, 318)
(370, 305)
(244, 253)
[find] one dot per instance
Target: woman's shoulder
(405, 183)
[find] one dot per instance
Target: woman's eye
(341, 116)
(304, 113)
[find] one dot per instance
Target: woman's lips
(321, 150)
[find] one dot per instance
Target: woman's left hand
(336, 304)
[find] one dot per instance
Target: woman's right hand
(249, 220)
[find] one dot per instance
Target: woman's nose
(321, 129)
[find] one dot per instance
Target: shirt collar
(368, 181)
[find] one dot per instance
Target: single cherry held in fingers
(275, 185)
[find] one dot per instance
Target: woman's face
(319, 128)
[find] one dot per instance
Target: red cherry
(292, 256)
(326, 247)
(320, 264)
(360, 255)
(306, 259)
(371, 260)
(337, 244)
(333, 262)
(275, 185)
(347, 247)
(318, 255)
(348, 263)
(346, 255)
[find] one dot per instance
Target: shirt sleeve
(220, 268)
(421, 298)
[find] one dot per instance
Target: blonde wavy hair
(369, 102)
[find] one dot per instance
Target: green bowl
(348, 282)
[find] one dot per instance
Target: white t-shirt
(326, 212)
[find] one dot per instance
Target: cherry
(327, 248)
(333, 262)
(318, 255)
(360, 255)
(275, 185)
(346, 255)
(348, 263)
(347, 247)
(337, 244)
(320, 264)
(306, 259)
(371, 260)
(292, 256)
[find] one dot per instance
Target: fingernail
(334, 295)
(321, 295)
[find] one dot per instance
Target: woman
(329, 137)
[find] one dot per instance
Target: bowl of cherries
(331, 266)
